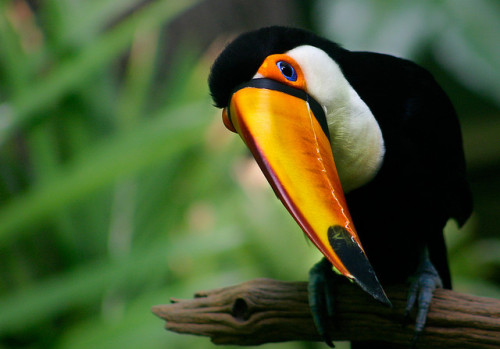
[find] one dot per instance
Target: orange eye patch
(283, 68)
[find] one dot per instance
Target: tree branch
(264, 310)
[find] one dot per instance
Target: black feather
(241, 59)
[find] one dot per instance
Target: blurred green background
(120, 187)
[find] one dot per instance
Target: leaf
(123, 155)
(66, 76)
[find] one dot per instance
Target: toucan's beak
(295, 155)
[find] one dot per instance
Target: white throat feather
(356, 138)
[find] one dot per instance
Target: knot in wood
(241, 310)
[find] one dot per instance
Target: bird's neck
(356, 138)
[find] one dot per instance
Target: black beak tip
(369, 283)
(356, 262)
(382, 297)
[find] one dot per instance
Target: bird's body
(394, 136)
(421, 183)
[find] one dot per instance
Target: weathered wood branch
(264, 310)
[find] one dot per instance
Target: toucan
(363, 149)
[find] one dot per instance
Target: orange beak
(294, 152)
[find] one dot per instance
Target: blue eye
(287, 70)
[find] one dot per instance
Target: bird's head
(283, 91)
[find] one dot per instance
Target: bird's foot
(321, 295)
(422, 285)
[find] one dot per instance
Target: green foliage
(118, 190)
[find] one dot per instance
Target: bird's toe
(422, 286)
(321, 298)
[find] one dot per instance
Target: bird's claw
(321, 291)
(422, 286)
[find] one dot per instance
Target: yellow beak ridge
(295, 154)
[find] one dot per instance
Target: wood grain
(264, 310)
